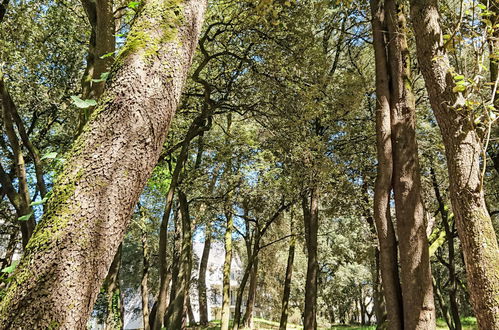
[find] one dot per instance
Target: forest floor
(469, 323)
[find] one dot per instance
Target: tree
(463, 151)
(126, 129)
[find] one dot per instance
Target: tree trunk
(163, 235)
(226, 273)
(190, 312)
(112, 289)
(382, 190)
(203, 265)
(19, 198)
(287, 283)
(463, 150)
(451, 264)
(144, 282)
(177, 320)
(311, 218)
(443, 307)
(99, 60)
(250, 305)
(68, 257)
(415, 272)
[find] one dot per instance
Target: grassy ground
(468, 323)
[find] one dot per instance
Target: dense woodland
(346, 152)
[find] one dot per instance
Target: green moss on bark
(164, 17)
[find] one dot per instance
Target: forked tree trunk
(382, 190)
(415, 273)
(463, 152)
(66, 260)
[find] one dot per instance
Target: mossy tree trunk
(67, 259)
(463, 148)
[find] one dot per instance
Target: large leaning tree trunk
(415, 273)
(66, 260)
(382, 190)
(463, 148)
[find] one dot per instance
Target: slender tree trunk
(93, 199)
(20, 198)
(163, 234)
(101, 45)
(182, 287)
(226, 273)
(190, 312)
(250, 305)
(311, 218)
(287, 282)
(144, 282)
(112, 289)
(443, 307)
(463, 151)
(382, 190)
(451, 264)
(417, 289)
(203, 265)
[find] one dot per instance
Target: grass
(469, 323)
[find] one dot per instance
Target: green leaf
(25, 217)
(107, 55)
(103, 77)
(11, 268)
(39, 202)
(459, 88)
(458, 77)
(83, 104)
(133, 4)
(50, 155)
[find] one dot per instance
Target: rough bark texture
(57, 280)
(463, 150)
(417, 289)
(311, 221)
(203, 266)
(382, 217)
